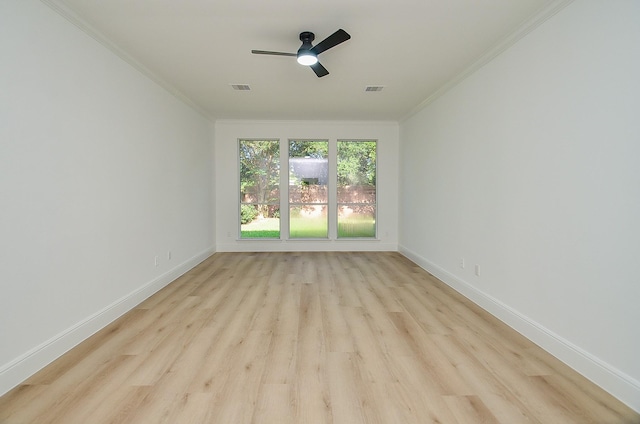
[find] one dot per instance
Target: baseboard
(614, 381)
(307, 246)
(21, 368)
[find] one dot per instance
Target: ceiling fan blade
(273, 53)
(319, 70)
(340, 36)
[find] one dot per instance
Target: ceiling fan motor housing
(306, 37)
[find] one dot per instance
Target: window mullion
(332, 209)
(284, 189)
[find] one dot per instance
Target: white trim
(276, 122)
(24, 366)
(324, 245)
(614, 381)
(541, 17)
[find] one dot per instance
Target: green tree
(308, 148)
(356, 163)
(260, 173)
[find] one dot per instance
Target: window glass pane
(259, 221)
(356, 191)
(304, 192)
(308, 171)
(259, 188)
(308, 221)
(357, 163)
(357, 194)
(356, 221)
(308, 192)
(259, 171)
(258, 193)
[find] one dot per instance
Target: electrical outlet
(155, 261)
(462, 263)
(168, 255)
(477, 270)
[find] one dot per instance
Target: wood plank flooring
(300, 338)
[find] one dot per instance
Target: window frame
(332, 204)
(337, 186)
(240, 202)
(328, 190)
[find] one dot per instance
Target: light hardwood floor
(309, 338)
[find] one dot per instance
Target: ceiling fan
(308, 54)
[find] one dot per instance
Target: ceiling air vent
(374, 88)
(240, 87)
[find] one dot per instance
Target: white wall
(227, 134)
(529, 168)
(101, 170)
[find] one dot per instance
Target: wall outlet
(477, 270)
(462, 263)
(155, 261)
(168, 255)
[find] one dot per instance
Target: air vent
(240, 87)
(374, 88)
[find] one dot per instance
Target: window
(259, 189)
(308, 189)
(330, 189)
(356, 206)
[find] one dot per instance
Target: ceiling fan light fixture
(307, 54)
(307, 58)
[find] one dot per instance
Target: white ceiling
(197, 48)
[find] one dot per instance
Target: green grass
(361, 230)
(308, 227)
(260, 234)
(269, 228)
(357, 226)
(261, 228)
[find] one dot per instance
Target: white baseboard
(614, 381)
(307, 246)
(21, 368)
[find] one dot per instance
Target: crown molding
(63, 10)
(528, 26)
(280, 122)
